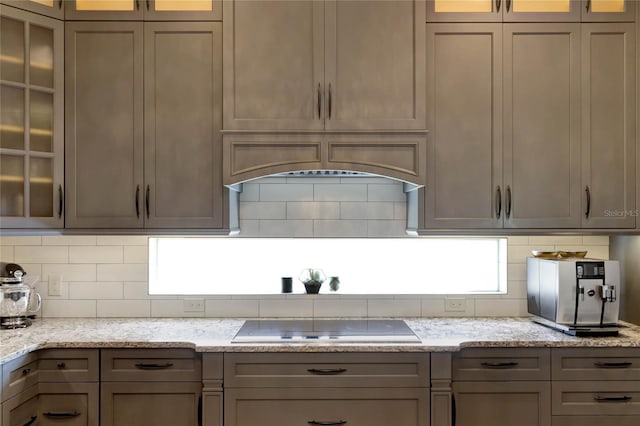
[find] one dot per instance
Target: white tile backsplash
(96, 254)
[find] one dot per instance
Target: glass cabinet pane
(41, 121)
(105, 5)
(12, 50)
(40, 187)
(542, 6)
(11, 185)
(602, 6)
(11, 117)
(184, 5)
(41, 56)
(459, 6)
(48, 3)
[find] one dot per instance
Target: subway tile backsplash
(106, 276)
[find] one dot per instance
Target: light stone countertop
(214, 335)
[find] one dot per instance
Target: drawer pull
(31, 421)
(498, 365)
(61, 365)
(327, 372)
(26, 371)
(62, 415)
(145, 366)
(320, 423)
(625, 364)
(624, 398)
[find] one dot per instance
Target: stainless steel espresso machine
(576, 296)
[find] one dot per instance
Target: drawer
(19, 374)
(595, 364)
(326, 406)
(326, 370)
(487, 364)
(595, 420)
(68, 365)
(620, 398)
(151, 365)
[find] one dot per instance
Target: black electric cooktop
(325, 331)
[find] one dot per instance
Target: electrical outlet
(455, 305)
(193, 305)
(55, 285)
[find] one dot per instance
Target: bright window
(420, 265)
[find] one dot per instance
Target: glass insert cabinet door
(51, 8)
(155, 10)
(503, 10)
(609, 10)
(31, 120)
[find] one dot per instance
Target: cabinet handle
(150, 366)
(586, 214)
(62, 415)
(588, 5)
(498, 202)
(31, 421)
(146, 201)
(498, 365)
(319, 102)
(147, 5)
(138, 201)
(508, 5)
(60, 201)
(508, 208)
(498, 4)
(60, 4)
(624, 364)
(623, 398)
(453, 409)
(26, 371)
(327, 371)
(329, 101)
(330, 423)
(61, 365)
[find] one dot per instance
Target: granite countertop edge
(214, 335)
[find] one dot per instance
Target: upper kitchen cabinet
(608, 10)
(503, 10)
(31, 120)
(316, 65)
(541, 126)
(182, 118)
(464, 114)
(170, 177)
(151, 10)
(608, 125)
(51, 8)
(104, 128)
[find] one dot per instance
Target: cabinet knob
(26, 371)
(61, 365)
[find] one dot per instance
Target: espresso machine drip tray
(7, 323)
(580, 330)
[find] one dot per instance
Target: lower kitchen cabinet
(502, 404)
(326, 406)
(150, 404)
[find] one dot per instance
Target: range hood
(400, 156)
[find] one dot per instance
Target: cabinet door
(375, 64)
(74, 404)
(150, 404)
(273, 64)
(51, 8)
(180, 10)
(541, 11)
(608, 10)
(21, 410)
(502, 403)
(101, 10)
(465, 10)
(542, 125)
(608, 125)
(357, 406)
(464, 115)
(183, 117)
(104, 125)
(31, 120)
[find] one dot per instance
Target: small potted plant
(312, 280)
